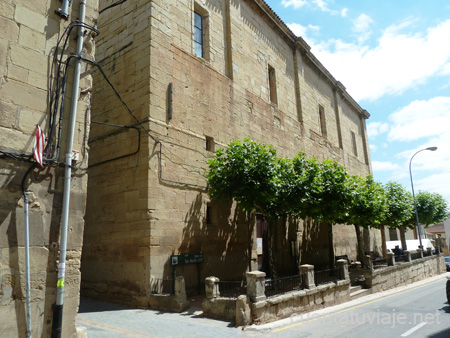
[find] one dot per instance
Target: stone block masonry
(146, 207)
(30, 31)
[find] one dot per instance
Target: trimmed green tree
(252, 175)
(368, 207)
(400, 210)
(432, 208)
(328, 197)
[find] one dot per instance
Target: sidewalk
(107, 320)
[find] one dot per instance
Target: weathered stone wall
(115, 261)
(30, 30)
(223, 96)
(405, 273)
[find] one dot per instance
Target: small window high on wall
(355, 148)
(198, 34)
(272, 85)
(322, 121)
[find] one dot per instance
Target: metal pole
(414, 197)
(27, 265)
(58, 308)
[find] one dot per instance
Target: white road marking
(415, 328)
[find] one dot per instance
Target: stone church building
(185, 77)
(196, 75)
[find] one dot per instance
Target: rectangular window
(210, 145)
(272, 85)
(322, 122)
(198, 34)
(355, 149)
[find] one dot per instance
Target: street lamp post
(414, 197)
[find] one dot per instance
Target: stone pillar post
(407, 254)
(368, 264)
(307, 273)
(255, 286)
(391, 259)
(212, 287)
(343, 269)
(420, 252)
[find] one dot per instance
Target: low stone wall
(255, 307)
(302, 301)
(220, 308)
(174, 303)
(405, 273)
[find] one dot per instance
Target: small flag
(39, 144)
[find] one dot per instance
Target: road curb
(297, 318)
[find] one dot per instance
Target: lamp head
(432, 148)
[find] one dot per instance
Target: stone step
(355, 288)
(359, 293)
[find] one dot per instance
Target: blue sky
(393, 56)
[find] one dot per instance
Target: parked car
(447, 262)
(447, 289)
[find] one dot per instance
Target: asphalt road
(417, 311)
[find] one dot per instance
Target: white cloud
(294, 3)
(361, 26)
(384, 166)
(302, 31)
(362, 23)
(446, 69)
(400, 61)
(420, 119)
(373, 147)
(376, 128)
(429, 121)
(321, 4)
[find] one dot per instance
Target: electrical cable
(122, 156)
(54, 105)
(113, 5)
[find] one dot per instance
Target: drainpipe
(64, 10)
(27, 254)
(27, 266)
(58, 308)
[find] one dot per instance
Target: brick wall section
(30, 30)
(208, 100)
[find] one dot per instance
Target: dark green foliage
(431, 207)
(369, 204)
(328, 192)
(400, 206)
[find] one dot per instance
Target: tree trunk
(383, 242)
(331, 246)
(360, 241)
(251, 227)
(403, 238)
(272, 241)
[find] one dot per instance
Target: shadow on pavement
(92, 305)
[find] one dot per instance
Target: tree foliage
(245, 171)
(328, 192)
(400, 207)
(369, 205)
(252, 175)
(432, 208)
